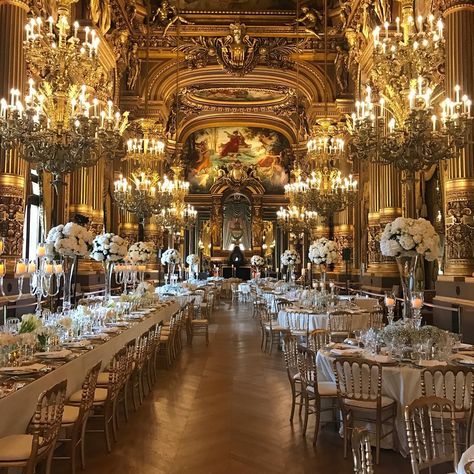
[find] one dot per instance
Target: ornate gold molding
(15, 3)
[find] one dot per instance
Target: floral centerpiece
(257, 261)
(323, 252)
(193, 261)
(171, 258)
(290, 258)
(29, 323)
(69, 241)
(108, 248)
(408, 240)
(141, 252)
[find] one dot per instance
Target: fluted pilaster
(459, 188)
(12, 167)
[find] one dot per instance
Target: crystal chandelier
(65, 121)
(404, 127)
(292, 219)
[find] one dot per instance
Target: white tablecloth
(402, 383)
(17, 408)
(320, 320)
(466, 457)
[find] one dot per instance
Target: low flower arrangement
(323, 252)
(170, 257)
(30, 323)
(141, 252)
(69, 240)
(109, 248)
(257, 261)
(290, 257)
(406, 236)
(402, 334)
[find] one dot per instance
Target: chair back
(46, 421)
(130, 349)
(359, 380)
(298, 323)
(88, 391)
(290, 351)
(307, 369)
(362, 452)
(366, 303)
(451, 382)
(340, 321)
(376, 319)
(117, 373)
(431, 431)
(318, 339)
(282, 303)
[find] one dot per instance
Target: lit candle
(76, 27)
(440, 28)
(31, 267)
(389, 301)
(48, 268)
(391, 125)
(457, 89)
(417, 303)
(41, 250)
(433, 119)
(51, 22)
(430, 21)
(386, 29)
(3, 270)
(58, 268)
(2, 245)
(21, 268)
(420, 23)
(397, 20)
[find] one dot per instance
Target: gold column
(81, 192)
(216, 222)
(344, 237)
(459, 188)
(390, 208)
(257, 224)
(12, 168)
(373, 228)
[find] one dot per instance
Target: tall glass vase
(323, 275)
(108, 267)
(411, 278)
(289, 273)
(171, 267)
(69, 267)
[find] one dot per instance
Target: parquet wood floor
(223, 409)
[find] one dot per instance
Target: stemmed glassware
(45, 277)
(390, 302)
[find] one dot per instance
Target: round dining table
(318, 320)
(466, 458)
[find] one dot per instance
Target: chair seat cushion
(368, 404)
(100, 395)
(16, 447)
(70, 415)
(275, 327)
(103, 378)
(325, 389)
(199, 321)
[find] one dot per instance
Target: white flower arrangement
(170, 256)
(65, 322)
(69, 239)
(109, 247)
(257, 261)
(290, 257)
(145, 289)
(192, 259)
(323, 252)
(406, 236)
(141, 252)
(30, 323)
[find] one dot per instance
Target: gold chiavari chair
(26, 451)
(359, 390)
(137, 386)
(105, 399)
(196, 327)
(340, 325)
(271, 331)
(376, 319)
(235, 292)
(167, 342)
(290, 351)
(298, 324)
(318, 338)
(282, 303)
(314, 391)
(75, 418)
(431, 431)
(455, 384)
(361, 451)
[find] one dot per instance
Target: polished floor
(223, 409)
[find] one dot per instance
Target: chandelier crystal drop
(65, 122)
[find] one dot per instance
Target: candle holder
(390, 302)
(125, 275)
(45, 280)
(21, 270)
(417, 299)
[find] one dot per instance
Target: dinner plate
(78, 344)
(22, 371)
(430, 363)
(54, 354)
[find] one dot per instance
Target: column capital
(16, 3)
(452, 6)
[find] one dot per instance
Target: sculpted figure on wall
(134, 63)
(311, 19)
(167, 15)
(101, 14)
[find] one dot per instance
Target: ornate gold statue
(167, 15)
(342, 69)
(133, 71)
(237, 46)
(311, 20)
(101, 14)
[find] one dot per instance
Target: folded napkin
(24, 368)
(431, 363)
(462, 346)
(54, 354)
(381, 359)
(83, 343)
(111, 329)
(463, 358)
(345, 352)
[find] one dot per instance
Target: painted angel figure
(167, 14)
(311, 20)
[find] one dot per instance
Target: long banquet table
(17, 408)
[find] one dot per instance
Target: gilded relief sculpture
(312, 21)
(167, 15)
